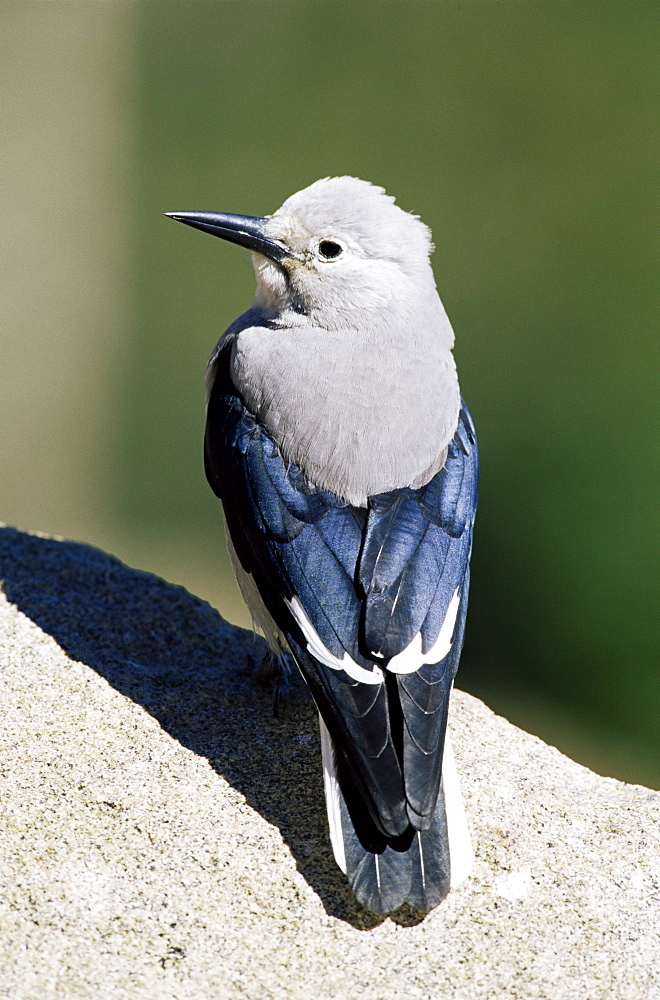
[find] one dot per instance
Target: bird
(346, 462)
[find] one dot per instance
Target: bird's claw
(273, 668)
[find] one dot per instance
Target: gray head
(352, 374)
(332, 251)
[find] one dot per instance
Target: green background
(524, 134)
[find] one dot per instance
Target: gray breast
(360, 417)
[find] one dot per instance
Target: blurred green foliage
(522, 134)
(525, 135)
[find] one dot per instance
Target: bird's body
(347, 468)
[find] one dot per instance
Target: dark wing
(351, 589)
(414, 572)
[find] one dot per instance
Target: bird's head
(333, 250)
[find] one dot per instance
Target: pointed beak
(246, 230)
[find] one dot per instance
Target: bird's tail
(417, 868)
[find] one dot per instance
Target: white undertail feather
(332, 796)
(461, 853)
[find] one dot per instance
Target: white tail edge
(461, 852)
(332, 794)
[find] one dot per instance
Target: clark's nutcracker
(346, 463)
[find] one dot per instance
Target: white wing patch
(412, 658)
(332, 796)
(318, 649)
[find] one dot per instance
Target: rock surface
(163, 836)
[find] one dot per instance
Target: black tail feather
(384, 872)
(430, 862)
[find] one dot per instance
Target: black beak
(246, 230)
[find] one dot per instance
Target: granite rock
(163, 836)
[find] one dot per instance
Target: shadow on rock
(173, 654)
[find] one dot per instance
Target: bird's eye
(329, 250)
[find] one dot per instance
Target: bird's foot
(274, 668)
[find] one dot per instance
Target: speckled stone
(163, 836)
